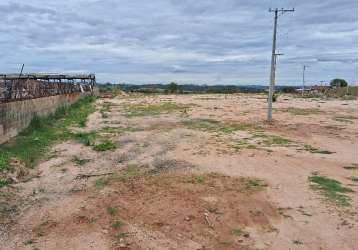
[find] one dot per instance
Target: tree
(338, 83)
(288, 89)
(173, 88)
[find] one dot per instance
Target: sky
(186, 41)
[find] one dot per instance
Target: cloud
(203, 41)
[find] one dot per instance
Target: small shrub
(274, 97)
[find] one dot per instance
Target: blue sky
(187, 41)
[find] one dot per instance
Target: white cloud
(202, 41)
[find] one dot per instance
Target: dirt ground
(195, 172)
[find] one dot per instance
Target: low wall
(17, 115)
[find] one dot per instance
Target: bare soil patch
(189, 211)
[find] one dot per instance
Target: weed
(316, 150)
(244, 144)
(118, 130)
(254, 184)
(31, 144)
(4, 159)
(354, 166)
(237, 232)
(277, 140)
(80, 162)
(331, 189)
(338, 119)
(347, 117)
(297, 242)
(272, 140)
(112, 210)
(101, 183)
(196, 179)
(87, 139)
(29, 242)
(135, 110)
(348, 98)
(122, 235)
(354, 179)
(4, 182)
(105, 146)
(105, 109)
(117, 224)
(127, 174)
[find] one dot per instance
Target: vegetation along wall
(16, 115)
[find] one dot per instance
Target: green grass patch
(112, 211)
(272, 140)
(314, 150)
(302, 111)
(33, 142)
(237, 232)
(106, 108)
(216, 126)
(254, 184)
(196, 179)
(117, 224)
(105, 146)
(244, 144)
(331, 189)
(354, 166)
(101, 183)
(135, 110)
(3, 182)
(118, 130)
(277, 140)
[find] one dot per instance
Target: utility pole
(303, 78)
(273, 61)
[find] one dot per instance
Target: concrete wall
(15, 116)
(352, 90)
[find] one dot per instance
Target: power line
(273, 60)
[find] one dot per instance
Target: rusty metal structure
(14, 87)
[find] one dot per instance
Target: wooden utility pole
(273, 61)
